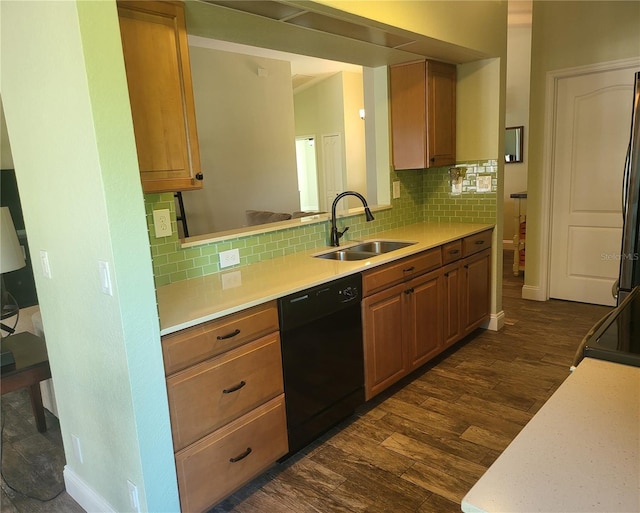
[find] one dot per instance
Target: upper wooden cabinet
(423, 114)
(156, 56)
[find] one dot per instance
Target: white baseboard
(495, 322)
(533, 293)
(83, 494)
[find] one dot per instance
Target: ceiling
(301, 28)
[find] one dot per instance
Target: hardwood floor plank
(438, 504)
(370, 484)
(440, 439)
(426, 414)
(485, 438)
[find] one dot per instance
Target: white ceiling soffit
(292, 28)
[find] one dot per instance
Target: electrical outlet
(162, 222)
(77, 449)
(134, 499)
(228, 258)
(396, 189)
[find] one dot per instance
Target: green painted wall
(66, 105)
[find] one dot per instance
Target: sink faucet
(335, 234)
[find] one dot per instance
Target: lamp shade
(11, 256)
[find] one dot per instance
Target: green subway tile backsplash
(425, 195)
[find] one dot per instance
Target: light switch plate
(162, 222)
(44, 262)
(396, 189)
(105, 278)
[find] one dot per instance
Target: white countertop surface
(580, 453)
(188, 303)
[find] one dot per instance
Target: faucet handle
(341, 233)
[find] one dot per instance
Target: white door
(593, 120)
(332, 168)
(307, 173)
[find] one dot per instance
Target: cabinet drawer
(194, 345)
(210, 394)
(214, 467)
(475, 243)
(451, 252)
(385, 276)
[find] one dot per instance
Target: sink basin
(364, 250)
(346, 254)
(379, 246)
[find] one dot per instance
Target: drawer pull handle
(454, 251)
(479, 242)
(408, 269)
(234, 388)
(228, 335)
(241, 456)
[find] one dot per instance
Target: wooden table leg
(37, 407)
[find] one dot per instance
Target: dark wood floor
(418, 447)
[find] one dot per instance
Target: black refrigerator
(630, 253)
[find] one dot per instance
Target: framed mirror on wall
(513, 144)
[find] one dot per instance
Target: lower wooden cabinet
(226, 401)
(384, 327)
(408, 324)
(223, 461)
(476, 289)
(424, 310)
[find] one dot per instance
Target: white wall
(332, 107)
(247, 139)
(517, 114)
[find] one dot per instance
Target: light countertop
(188, 303)
(579, 453)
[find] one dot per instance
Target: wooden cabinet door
(156, 56)
(424, 311)
(384, 326)
(408, 94)
(423, 114)
(476, 290)
(451, 292)
(441, 114)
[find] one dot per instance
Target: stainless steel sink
(364, 250)
(380, 246)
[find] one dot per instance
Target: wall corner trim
(83, 494)
(495, 322)
(533, 293)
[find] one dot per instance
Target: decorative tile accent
(425, 195)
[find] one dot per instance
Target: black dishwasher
(322, 355)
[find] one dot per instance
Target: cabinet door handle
(409, 291)
(234, 388)
(241, 456)
(199, 176)
(408, 269)
(229, 335)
